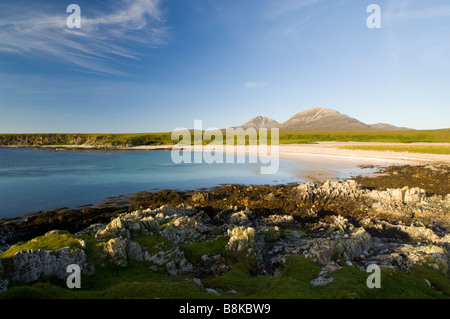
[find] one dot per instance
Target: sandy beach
(328, 152)
(322, 152)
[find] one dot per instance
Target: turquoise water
(34, 180)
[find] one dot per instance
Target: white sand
(328, 153)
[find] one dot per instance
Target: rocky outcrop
(241, 239)
(182, 222)
(323, 250)
(405, 195)
(134, 251)
(240, 218)
(331, 237)
(325, 277)
(176, 224)
(280, 220)
(213, 266)
(116, 248)
(173, 260)
(186, 228)
(330, 190)
(388, 199)
(3, 282)
(30, 265)
(412, 234)
(176, 263)
(3, 285)
(7, 235)
(431, 256)
(398, 228)
(407, 256)
(116, 228)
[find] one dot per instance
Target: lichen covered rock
(116, 248)
(322, 250)
(241, 239)
(30, 265)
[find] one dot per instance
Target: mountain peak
(322, 119)
(260, 122)
(316, 113)
(319, 119)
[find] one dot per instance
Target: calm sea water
(36, 180)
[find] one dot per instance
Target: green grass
(427, 149)
(425, 136)
(134, 281)
(137, 281)
(349, 282)
(155, 139)
(194, 252)
(46, 242)
(150, 242)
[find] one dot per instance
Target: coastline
(326, 153)
(84, 147)
(321, 152)
(335, 230)
(330, 151)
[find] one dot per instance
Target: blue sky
(157, 65)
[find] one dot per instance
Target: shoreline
(201, 235)
(384, 177)
(322, 152)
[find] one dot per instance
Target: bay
(33, 180)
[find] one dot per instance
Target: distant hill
(388, 127)
(260, 122)
(320, 119)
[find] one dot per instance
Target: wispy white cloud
(255, 84)
(96, 46)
